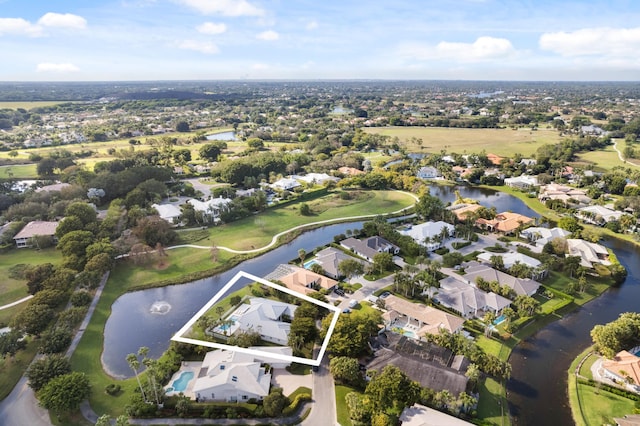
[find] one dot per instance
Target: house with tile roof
(425, 319)
(589, 253)
(35, 228)
(505, 222)
(469, 301)
(463, 211)
(369, 247)
(304, 281)
(624, 368)
(521, 286)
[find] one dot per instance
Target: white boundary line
(178, 337)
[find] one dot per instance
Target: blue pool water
(308, 263)
(180, 384)
(500, 319)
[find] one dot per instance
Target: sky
(100, 40)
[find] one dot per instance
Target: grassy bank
(593, 406)
(12, 289)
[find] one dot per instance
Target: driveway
(323, 412)
(21, 408)
(290, 382)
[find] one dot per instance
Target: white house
(511, 258)
(598, 215)
(428, 172)
(285, 184)
(231, 376)
(264, 316)
(431, 235)
(589, 253)
(212, 208)
(316, 178)
(522, 182)
(541, 236)
(468, 300)
(169, 212)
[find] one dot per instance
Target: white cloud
(211, 28)
(199, 46)
(19, 26)
(53, 67)
(483, 49)
(260, 66)
(63, 20)
(268, 35)
(593, 41)
(311, 25)
(224, 7)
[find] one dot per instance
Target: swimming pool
(180, 384)
(310, 263)
(500, 319)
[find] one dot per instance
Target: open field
(13, 289)
(505, 142)
(28, 105)
(21, 171)
(604, 160)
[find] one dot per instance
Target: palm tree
(151, 370)
(132, 359)
(302, 253)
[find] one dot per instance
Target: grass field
(28, 105)
(11, 369)
(341, 405)
(12, 289)
(591, 406)
(21, 171)
(604, 160)
(504, 142)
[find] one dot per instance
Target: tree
(153, 230)
(569, 223)
(359, 406)
(346, 370)
(350, 268)
(622, 333)
(132, 360)
(65, 393)
(34, 319)
(275, 402)
(392, 388)
(56, 341)
(302, 254)
(526, 305)
(11, 343)
(382, 262)
(571, 264)
(42, 370)
(182, 126)
(36, 276)
(449, 260)
(304, 327)
(305, 210)
(352, 332)
(82, 211)
(497, 262)
(210, 151)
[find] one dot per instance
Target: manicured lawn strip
(590, 405)
(19, 171)
(560, 282)
(491, 405)
(12, 290)
(300, 390)
(12, 369)
(505, 142)
(257, 231)
(341, 404)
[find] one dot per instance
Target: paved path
(625, 161)
(17, 302)
(323, 412)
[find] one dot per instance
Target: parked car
(385, 295)
(353, 303)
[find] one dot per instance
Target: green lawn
(492, 402)
(257, 231)
(504, 142)
(15, 289)
(341, 405)
(12, 369)
(605, 159)
(19, 171)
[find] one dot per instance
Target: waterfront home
(521, 286)
(330, 259)
(430, 235)
(233, 376)
(589, 253)
(464, 211)
(428, 172)
(369, 247)
(264, 316)
(522, 182)
(598, 215)
(468, 300)
(624, 368)
(419, 415)
(566, 194)
(418, 318)
(505, 222)
(509, 259)
(39, 228)
(304, 281)
(542, 236)
(211, 209)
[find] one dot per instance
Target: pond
(222, 136)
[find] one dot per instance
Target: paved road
(21, 408)
(323, 411)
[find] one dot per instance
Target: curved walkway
(625, 161)
(17, 302)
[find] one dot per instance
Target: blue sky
(319, 39)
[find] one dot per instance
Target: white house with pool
(227, 376)
(261, 315)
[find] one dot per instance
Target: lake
(222, 136)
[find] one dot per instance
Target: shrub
(299, 399)
(81, 298)
(112, 389)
